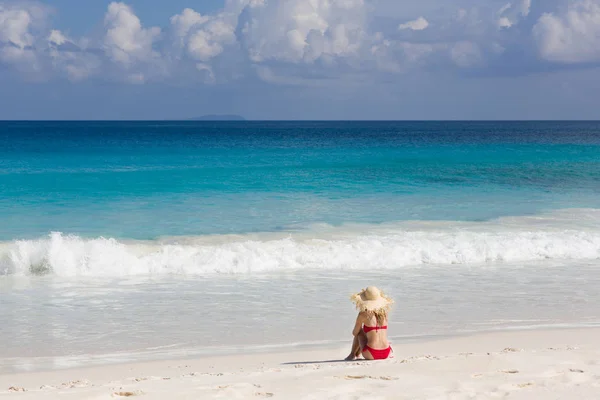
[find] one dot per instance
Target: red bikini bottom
(379, 354)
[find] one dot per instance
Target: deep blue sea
(116, 236)
(145, 180)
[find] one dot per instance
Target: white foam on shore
(567, 234)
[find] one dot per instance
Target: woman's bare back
(376, 338)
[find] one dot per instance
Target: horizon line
(298, 120)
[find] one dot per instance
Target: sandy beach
(549, 364)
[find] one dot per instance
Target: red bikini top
(373, 328)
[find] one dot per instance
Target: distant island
(219, 118)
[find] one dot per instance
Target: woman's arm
(358, 324)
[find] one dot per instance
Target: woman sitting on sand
(370, 330)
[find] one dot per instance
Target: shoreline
(107, 360)
(523, 363)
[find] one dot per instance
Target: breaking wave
(567, 235)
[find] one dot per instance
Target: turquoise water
(143, 180)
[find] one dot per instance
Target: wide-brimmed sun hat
(372, 299)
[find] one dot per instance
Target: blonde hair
(380, 315)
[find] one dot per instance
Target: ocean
(122, 241)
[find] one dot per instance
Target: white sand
(556, 364)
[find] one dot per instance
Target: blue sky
(300, 59)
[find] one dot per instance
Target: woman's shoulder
(364, 315)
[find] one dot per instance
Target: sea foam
(574, 235)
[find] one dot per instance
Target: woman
(370, 330)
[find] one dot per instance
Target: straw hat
(371, 299)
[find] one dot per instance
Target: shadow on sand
(315, 362)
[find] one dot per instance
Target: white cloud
(56, 37)
(126, 41)
(571, 36)
(184, 22)
(15, 25)
(504, 22)
(300, 31)
(19, 23)
(200, 39)
(210, 40)
(417, 25)
(510, 15)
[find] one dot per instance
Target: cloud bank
(570, 35)
(295, 41)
